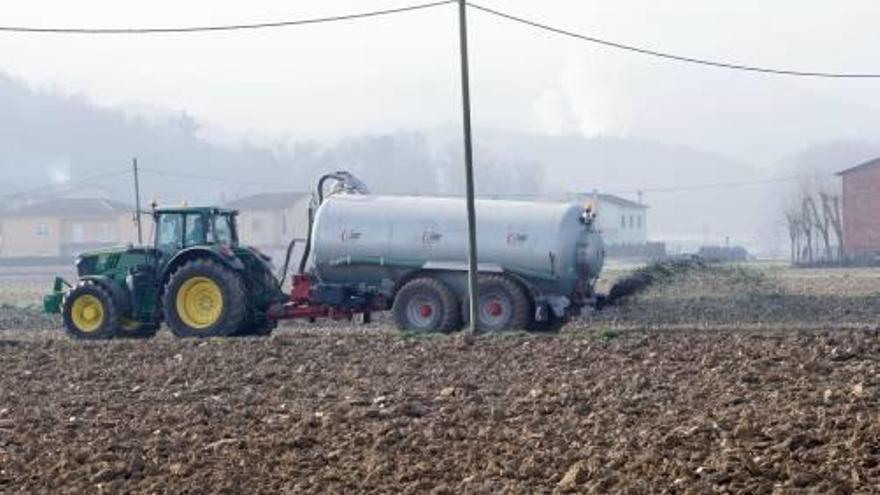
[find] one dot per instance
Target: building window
(623, 221)
(632, 222)
(42, 230)
(639, 221)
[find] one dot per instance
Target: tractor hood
(101, 261)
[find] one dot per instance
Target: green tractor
(195, 278)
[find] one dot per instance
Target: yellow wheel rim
(87, 313)
(199, 303)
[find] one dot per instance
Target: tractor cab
(186, 227)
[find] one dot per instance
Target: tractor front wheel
(204, 299)
(89, 312)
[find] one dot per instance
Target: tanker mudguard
(230, 261)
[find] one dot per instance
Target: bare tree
(792, 221)
(821, 223)
(806, 224)
(831, 210)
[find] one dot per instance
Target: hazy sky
(400, 72)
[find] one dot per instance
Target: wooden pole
(468, 168)
(137, 201)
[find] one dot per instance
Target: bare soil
(727, 380)
(327, 411)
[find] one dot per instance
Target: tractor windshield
(224, 230)
(169, 236)
(195, 229)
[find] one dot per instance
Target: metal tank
(377, 240)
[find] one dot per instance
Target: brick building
(861, 210)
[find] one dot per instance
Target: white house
(269, 221)
(622, 222)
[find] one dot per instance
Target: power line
(670, 56)
(50, 187)
(227, 27)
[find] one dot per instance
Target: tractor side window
(170, 232)
(195, 230)
(223, 229)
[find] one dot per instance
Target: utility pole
(137, 201)
(468, 168)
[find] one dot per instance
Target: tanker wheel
(503, 305)
(426, 305)
(204, 299)
(89, 312)
(553, 323)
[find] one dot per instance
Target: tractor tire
(129, 329)
(89, 312)
(258, 329)
(425, 305)
(204, 299)
(504, 305)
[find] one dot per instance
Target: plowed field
(686, 411)
(615, 404)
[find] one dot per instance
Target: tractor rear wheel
(426, 305)
(258, 328)
(131, 329)
(503, 305)
(89, 312)
(204, 299)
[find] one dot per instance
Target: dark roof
(71, 207)
(868, 164)
(610, 198)
(267, 201)
(195, 209)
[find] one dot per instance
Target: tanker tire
(232, 316)
(552, 324)
(109, 323)
(519, 303)
(426, 305)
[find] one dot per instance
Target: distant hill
(47, 138)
